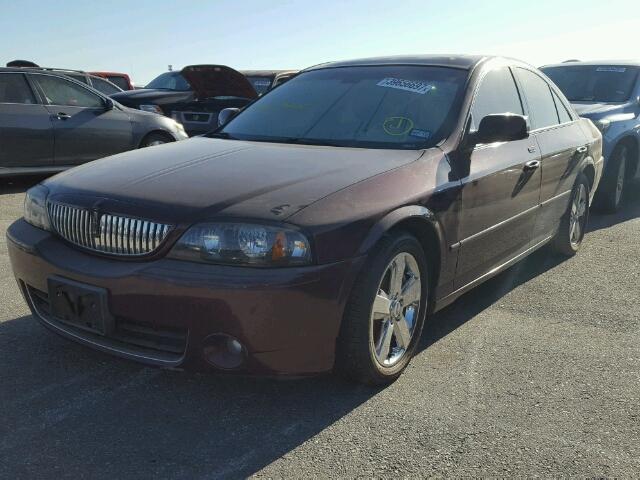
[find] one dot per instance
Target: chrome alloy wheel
(153, 143)
(395, 310)
(578, 215)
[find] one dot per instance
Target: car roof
(630, 63)
(466, 62)
(264, 73)
(54, 71)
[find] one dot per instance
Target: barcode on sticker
(611, 69)
(408, 85)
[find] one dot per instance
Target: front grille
(131, 335)
(107, 233)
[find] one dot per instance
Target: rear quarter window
(539, 99)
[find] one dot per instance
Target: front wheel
(609, 195)
(574, 222)
(155, 139)
(385, 315)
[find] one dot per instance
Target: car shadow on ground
(19, 184)
(629, 210)
(102, 417)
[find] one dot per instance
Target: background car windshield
(170, 81)
(405, 107)
(260, 84)
(594, 83)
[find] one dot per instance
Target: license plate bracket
(80, 305)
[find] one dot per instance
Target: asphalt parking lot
(535, 373)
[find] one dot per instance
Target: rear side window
(563, 113)
(497, 94)
(59, 91)
(103, 86)
(119, 81)
(539, 99)
(15, 89)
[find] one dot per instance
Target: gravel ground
(535, 373)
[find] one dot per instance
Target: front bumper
(287, 319)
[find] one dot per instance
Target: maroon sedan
(317, 228)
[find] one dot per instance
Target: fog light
(223, 351)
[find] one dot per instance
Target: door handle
(531, 149)
(63, 116)
(532, 165)
(582, 149)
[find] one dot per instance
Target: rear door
(26, 131)
(501, 194)
(84, 128)
(562, 145)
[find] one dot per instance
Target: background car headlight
(35, 207)
(151, 108)
(243, 244)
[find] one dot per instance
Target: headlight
(602, 125)
(151, 108)
(35, 207)
(243, 244)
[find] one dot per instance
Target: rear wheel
(609, 196)
(385, 315)
(155, 138)
(574, 222)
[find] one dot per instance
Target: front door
(84, 128)
(501, 194)
(26, 131)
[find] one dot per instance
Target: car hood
(597, 110)
(149, 95)
(205, 178)
(210, 81)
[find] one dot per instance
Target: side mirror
(502, 127)
(108, 104)
(226, 114)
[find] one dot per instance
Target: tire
(574, 222)
(362, 354)
(155, 138)
(610, 194)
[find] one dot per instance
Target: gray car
(49, 122)
(608, 93)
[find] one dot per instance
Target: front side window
(594, 83)
(541, 104)
(15, 89)
(404, 107)
(170, 81)
(58, 91)
(497, 94)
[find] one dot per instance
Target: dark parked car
(609, 94)
(319, 227)
(49, 122)
(193, 96)
(265, 80)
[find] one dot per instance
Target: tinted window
(497, 94)
(407, 107)
(539, 99)
(121, 82)
(103, 86)
(594, 83)
(170, 81)
(78, 77)
(563, 113)
(15, 89)
(59, 91)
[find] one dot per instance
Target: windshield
(594, 83)
(404, 107)
(260, 84)
(170, 81)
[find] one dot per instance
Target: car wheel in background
(574, 222)
(609, 196)
(384, 317)
(155, 138)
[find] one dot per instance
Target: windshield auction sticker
(611, 69)
(408, 85)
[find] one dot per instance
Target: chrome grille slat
(116, 234)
